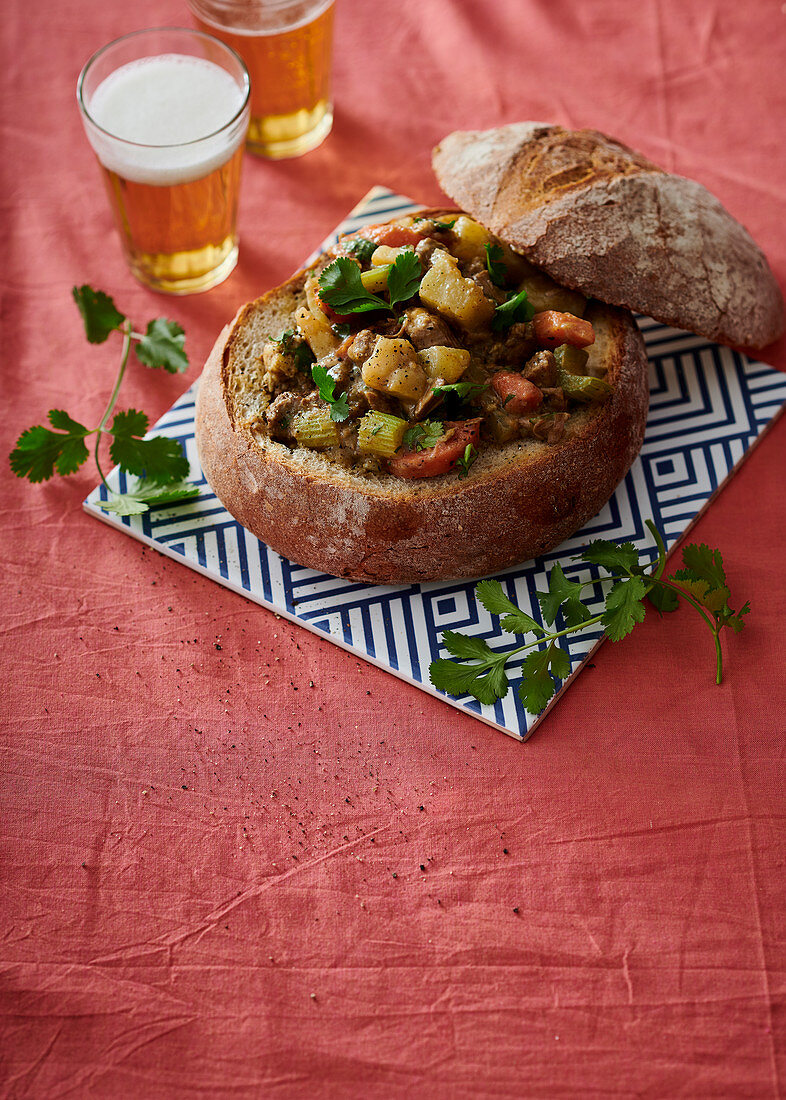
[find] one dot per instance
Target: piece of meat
(424, 329)
(425, 250)
(515, 347)
(362, 346)
(541, 369)
(279, 413)
(483, 280)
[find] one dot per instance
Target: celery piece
(314, 428)
(583, 388)
(380, 433)
(573, 360)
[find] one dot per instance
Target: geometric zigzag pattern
(708, 405)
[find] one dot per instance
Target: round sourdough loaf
(519, 499)
(602, 219)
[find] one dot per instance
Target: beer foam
(158, 118)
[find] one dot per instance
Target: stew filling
(420, 343)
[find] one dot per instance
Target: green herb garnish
(159, 463)
(341, 287)
(466, 460)
(339, 408)
(474, 668)
(494, 265)
(404, 277)
(298, 349)
(441, 227)
(517, 308)
(465, 391)
(423, 435)
(362, 248)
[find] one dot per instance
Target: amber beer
(168, 130)
(286, 45)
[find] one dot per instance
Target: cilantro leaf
(614, 558)
(734, 620)
(339, 407)
(467, 646)
(440, 226)
(517, 308)
(513, 619)
(361, 247)
(663, 598)
(537, 686)
(563, 595)
(463, 390)
(705, 564)
(404, 277)
(341, 288)
(705, 579)
(423, 435)
(482, 676)
(624, 607)
(163, 346)
(298, 349)
(145, 494)
(159, 459)
(99, 313)
(494, 265)
(466, 460)
(39, 452)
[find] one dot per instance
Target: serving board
(708, 406)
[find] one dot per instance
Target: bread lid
(601, 218)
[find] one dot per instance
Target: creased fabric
(237, 861)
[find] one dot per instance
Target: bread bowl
(522, 476)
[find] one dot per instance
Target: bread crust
(519, 500)
(602, 219)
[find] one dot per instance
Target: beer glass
(287, 47)
(166, 112)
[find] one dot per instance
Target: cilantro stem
(548, 637)
(712, 625)
(658, 571)
(127, 335)
(656, 577)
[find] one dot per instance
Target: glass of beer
(166, 112)
(287, 47)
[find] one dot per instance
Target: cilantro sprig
(495, 266)
(159, 464)
(326, 387)
(298, 349)
(361, 247)
(341, 286)
(517, 308)
(464, 463)
(464, 391)
(474, 668)
(424, 435)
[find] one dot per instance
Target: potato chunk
(445, 289)
(384, 255)
(317, 331)
(469, 239)
(447, 364)
(393, 368)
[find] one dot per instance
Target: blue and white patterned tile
(708, 405)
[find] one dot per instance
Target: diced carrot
(553, 328)
(519, 395)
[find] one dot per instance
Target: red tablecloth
(239, 862)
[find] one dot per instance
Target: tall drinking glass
(287, 46)
(166, 112)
